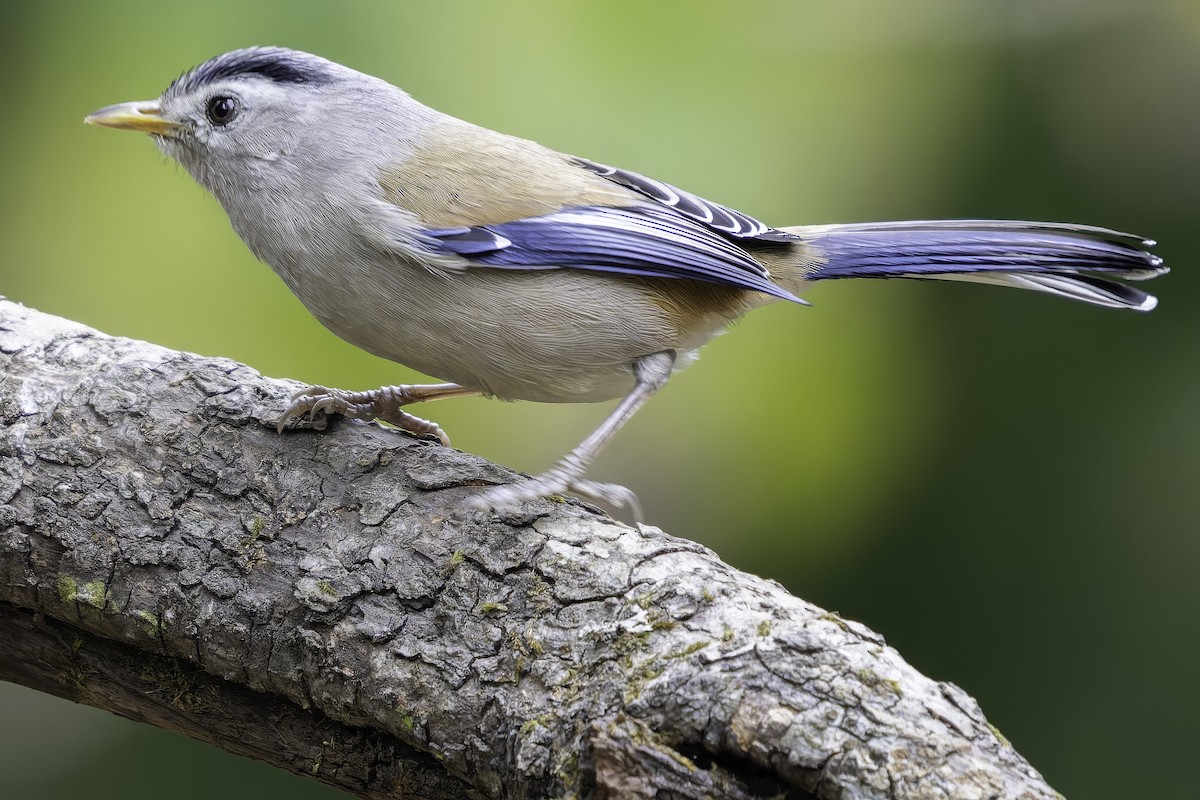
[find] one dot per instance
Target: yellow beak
(145, 116)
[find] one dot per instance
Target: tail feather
(1074, 261)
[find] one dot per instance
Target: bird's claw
(551, 483)
(309, 403)
(382, 404)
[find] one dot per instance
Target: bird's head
(270, 119)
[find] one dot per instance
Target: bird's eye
(222, 109)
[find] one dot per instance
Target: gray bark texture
(322, 602)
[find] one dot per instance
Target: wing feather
(721, 219)
(642, 240)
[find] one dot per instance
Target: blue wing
(643, 240)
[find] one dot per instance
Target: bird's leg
(650, 373)
(384, 404)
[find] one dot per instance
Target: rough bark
(322, 602)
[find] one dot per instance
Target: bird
(510, 270)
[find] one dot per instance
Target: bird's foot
(384, 404)
(557, 481)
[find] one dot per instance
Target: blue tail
(1074, 261)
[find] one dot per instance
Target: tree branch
(322, 602)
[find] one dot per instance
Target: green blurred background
(1003, 484)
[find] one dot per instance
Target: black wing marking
(720, 218)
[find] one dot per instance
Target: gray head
(265, 119)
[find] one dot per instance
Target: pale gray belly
(549, 335)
